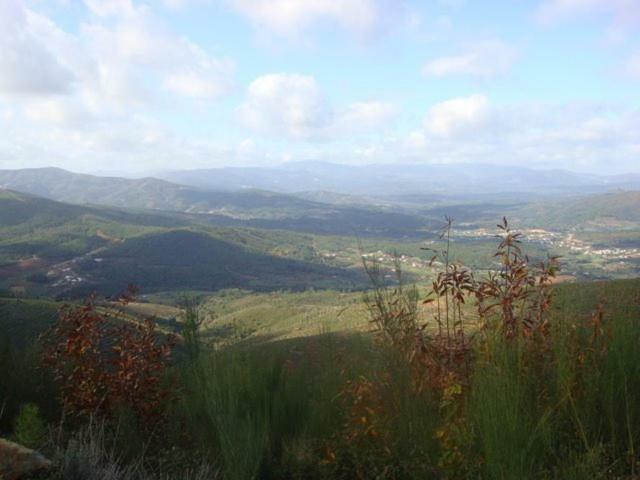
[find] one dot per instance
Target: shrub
(102, 367)
(29, 429)
(90, 454)
(22, 381)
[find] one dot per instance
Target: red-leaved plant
(103, 362)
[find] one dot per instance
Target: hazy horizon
(141, 173)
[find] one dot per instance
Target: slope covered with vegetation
(30, 224)
(246, 207)
(55, 247)
(605, 211)
(185, 259)
(543, 385)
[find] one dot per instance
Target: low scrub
(494, 376)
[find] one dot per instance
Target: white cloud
(27, 66)
(246, 147)
(202, 76)
(294, 106)
(293, 17)
(623, 15)
(483, 59)
(362, 116)
(193, 84)
(455, 115)
(551, 10)
(179, 4)
(119, 71)
(100, 92)
(451, 3)
(578, 137)
(287, 104)
(109, 8)
(632, 66)
(55, 112)
(140, 47)
(121, 57)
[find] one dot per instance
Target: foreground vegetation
(499, 377)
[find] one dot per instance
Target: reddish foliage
(514, 300)
(362, 448)
(522, 295)
(101, 366)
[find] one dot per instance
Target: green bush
(30, 429)
(23, 382)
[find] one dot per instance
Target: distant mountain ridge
(248, 207)
(383, 180)
(148, 193)
(400, 215)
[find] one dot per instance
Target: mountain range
(234, 196)
(384, 180)
(247, 207)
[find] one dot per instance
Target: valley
(257, 240)
(267, 298)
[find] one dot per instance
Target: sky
(142, 86)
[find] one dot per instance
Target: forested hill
(249, 208)
(621, 206)
(54, 247)
(148, 193)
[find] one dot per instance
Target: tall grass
(90, 453)
(579, 417)
(540, 392)
(245, 408)
(510, 418)
(507, 377)
(22, 381)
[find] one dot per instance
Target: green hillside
(35, 225)
(236, 315)
(31, 225)
(185, 259)
(240, 316)
(49, 247)
(52, 247)
(610, 210)
(146, 193)
(22, 320)
(249, 208)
